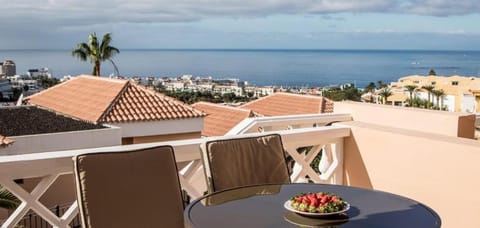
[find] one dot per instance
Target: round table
(263, 206)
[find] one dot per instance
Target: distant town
(453, 93)
(225, 89)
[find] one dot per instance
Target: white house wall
(468, 103)
(163, 127)
(63, 141)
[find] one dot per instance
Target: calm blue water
(263, 67)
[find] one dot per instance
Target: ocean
(262, 67)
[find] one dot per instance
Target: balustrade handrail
(274, 121)
(49, 165)
(179, 145)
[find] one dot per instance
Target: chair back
(240, 162)
(129, 189)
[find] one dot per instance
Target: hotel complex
(461, 94)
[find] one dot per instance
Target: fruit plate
(310, 214)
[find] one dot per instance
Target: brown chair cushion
(129, 189)
(245, 161)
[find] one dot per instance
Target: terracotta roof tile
(220, 118)
(279, 104)
(99, 99)
(4, 141)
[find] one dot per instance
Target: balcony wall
(431, 121)
(26, 144)
(440, 171)
(52, 182)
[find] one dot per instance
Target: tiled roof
(279, 104)
(4, 141)
(138, 103)
(99, 99)
(31, 120)
(220, 118)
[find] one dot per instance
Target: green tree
(429, 89)
(411, 89)
(439, 94)
(384, 94)
(432, 72)
(8, 200)
(370, 88)
(46, 82)
(381, 85)
(418, 102)
(95, 52)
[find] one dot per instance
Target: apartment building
(461, 93)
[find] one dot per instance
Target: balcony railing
(327, 141)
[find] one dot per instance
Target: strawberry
(323, 201)
(334, 199)
(311, 197)
(319, 195)
(305, 199)
(314, 202)
(298, 199)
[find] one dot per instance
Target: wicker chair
(247, 161)
(129, 189)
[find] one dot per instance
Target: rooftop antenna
(115, 67)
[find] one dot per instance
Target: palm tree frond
(79, 54)
(107, 38)
(8, 200)
(95, 53)
(106, 50)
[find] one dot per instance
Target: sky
(243, 24)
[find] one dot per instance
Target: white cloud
(441, 7)
(30, 23)
(73, 12)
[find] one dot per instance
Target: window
(416, 82)
(454, 83)
(433, 83)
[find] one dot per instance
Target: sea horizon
(257, 49)
(277, 67)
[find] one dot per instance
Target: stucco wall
(63, 141)
(163, 127)
(431, 121)
(169, 137)
(438, 170)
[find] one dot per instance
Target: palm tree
(8, 200)
(370, 88)
(384, 94)
(381, 85)
(411, 89)
(429, 89)
(439, 94)
(94, 52)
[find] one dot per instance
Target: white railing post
(337, 148)
(48, 166)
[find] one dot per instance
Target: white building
(6, 91)
(259, 91)
(221, 89)
(174, 86)
(40, 72)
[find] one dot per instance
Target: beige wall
(27, 144)
(431, 121)
(169, 137)
(438, 170)
(61, 192)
